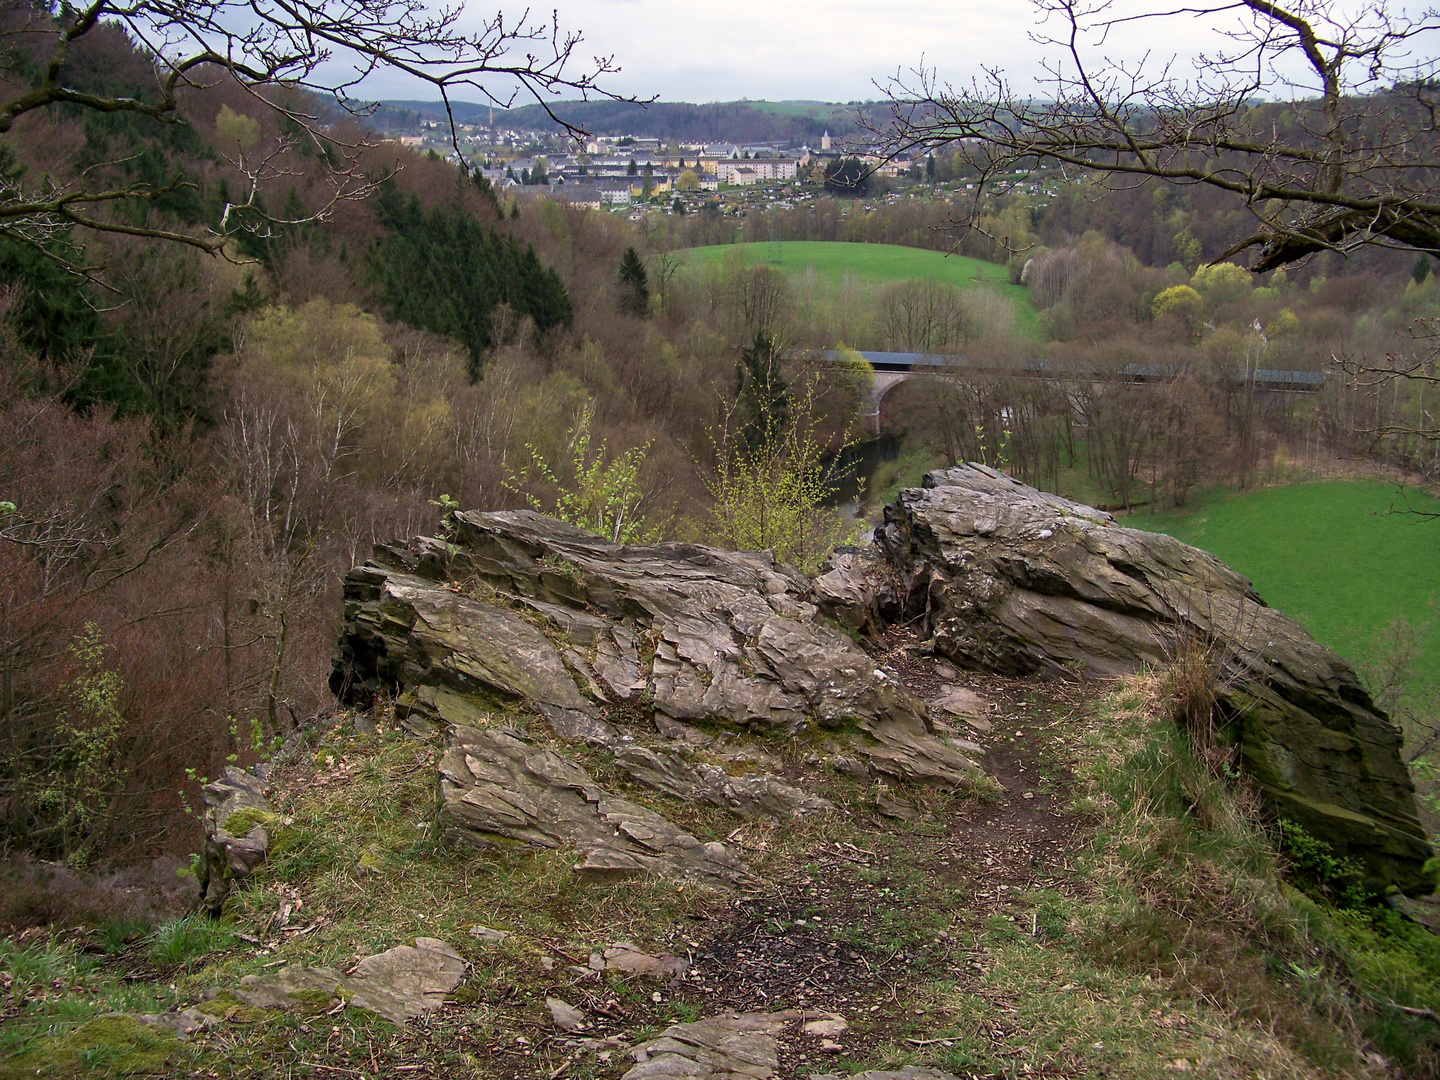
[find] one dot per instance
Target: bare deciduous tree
(1350, 159)
(274, 50)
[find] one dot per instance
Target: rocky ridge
(718, 653)
(1004, 578)
(692, 669)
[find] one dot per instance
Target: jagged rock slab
(403, 630)
(756, 796)
(1013, 580)
(236, 819)
(495, 788)
(622, 956)
(565, 1015)
(398, 984)
(734, 1047)
(698, 634)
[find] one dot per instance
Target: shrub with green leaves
(593, 488)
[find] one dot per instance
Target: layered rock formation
(497, 787)
(1009, 579)
(516, 607)
(695, 649)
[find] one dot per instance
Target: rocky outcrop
(496, 788)
(1008, 579)
(398, 984)
(514, 608)
(674, 658)
(517, 605)
(237, 821)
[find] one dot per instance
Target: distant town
(638, 174)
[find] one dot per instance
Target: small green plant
(29, 967)
(76, 791)
(772, 487)
(187, 938)
(1315, 863)
(119, 933)
(593, 489)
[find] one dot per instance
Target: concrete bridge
(894, 368)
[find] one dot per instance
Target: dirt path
(864, 926)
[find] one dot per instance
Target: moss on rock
(243, 820)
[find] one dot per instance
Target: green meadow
(1339, 556)
(874, 264)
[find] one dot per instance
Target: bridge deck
(916, 363)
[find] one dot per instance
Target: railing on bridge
(1279, 379)
(893, 368)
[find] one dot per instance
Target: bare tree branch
(271, 48)
(1351, 160)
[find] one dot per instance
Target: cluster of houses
(617, 171)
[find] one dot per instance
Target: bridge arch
(874, 396)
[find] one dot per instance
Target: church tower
(825, 141)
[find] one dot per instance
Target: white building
(754, 170)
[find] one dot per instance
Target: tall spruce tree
(634, 284)
(762, 397)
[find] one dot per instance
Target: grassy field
(877, 264)
(1330, 554)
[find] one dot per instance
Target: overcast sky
(828, 50)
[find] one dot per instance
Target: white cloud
(831, 50)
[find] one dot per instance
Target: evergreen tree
(632, 169)
(445, 271)
(634, 284)
(1421, 270)
(59, 320)
(762, 397)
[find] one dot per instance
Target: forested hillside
(724, 121)
(198, 445)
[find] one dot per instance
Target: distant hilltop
(733, 121)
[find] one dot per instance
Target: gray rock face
(1013, 580)
(237, 819)
(760, 796)
(398, 984)
(734, 1047)
(516, 606)
(699, 634)
(497, 788)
